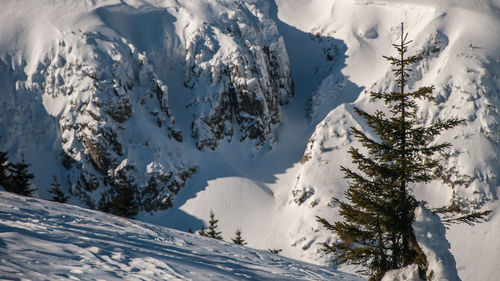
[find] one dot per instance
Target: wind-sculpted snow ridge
(431, 236)
(43, 240)
(100, 80)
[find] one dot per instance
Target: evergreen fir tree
(376, 234)
(57, 193)
(212, 227)
(275, 251)
(202, 231)
(124, 203)
(18, 180)
(238, 239)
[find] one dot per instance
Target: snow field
(42, 240)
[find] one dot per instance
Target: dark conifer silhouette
(377, 233)
(238, 239)
(124, 203)
(202, 231)
(275, 251)
(19, 179)
(212, 227)
(4, 166)
(57, 193)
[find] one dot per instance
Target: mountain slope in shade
(43, 240)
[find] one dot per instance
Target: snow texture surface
(42, 240)
(431, 237)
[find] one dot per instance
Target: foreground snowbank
(431, 236)
(50, 241)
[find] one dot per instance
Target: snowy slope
(42, 240)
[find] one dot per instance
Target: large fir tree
(377, 233)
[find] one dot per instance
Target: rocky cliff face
(238, 67)
(101, 99)
(104, 84)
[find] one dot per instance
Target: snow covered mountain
(244, 107)
(117, 91)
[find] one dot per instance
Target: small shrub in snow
(212, 227)
(238, 239)
(57, 193)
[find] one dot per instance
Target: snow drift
(43, 240)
